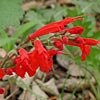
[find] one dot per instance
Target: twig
(11, 94)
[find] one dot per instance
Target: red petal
(1, 91)
(9, 71)
(73, 43)
(65, 39)
(87, 49)
(54, 52)
(79, 40)
(75, 30)
(90, 41)
(58, 43)
(38, 46)
(33, 59)
(45, 64)
(19, 71)
(83, 53)
(28, 68)
(2, 73)
(70, 20)
(23, 54)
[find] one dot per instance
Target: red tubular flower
(24, 64)
(49, 28)
(65, 39)
(84, 44)
(58, 43)
(90, 41)
(84, 48)
(44, 57)
(2, 73)
(9, 71)
(85, 51)
(79, 40)
(54, 52)
(1, 91)
(87, 41)
(75, 30)
(29, 62)
(55, 27)
(70, 20)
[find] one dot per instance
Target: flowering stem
(6, 58)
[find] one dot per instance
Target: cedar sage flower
(24, 64)
(9, 71)
(44, 57)
(65, 39)
(57, 27)
(75, 30)
(58, 43)
(84, 48)
(85, 51)
(84, 44)
(29, 62)
(87, 41)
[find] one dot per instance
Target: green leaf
(56, 13)
(5, 41)
(8, 43)
(44, 16)
(10, 13)
(96, 35)
(21, 31)
(35, 17)
(5, 36)
(88, 6)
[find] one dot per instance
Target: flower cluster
(28, 62)
(83, 43)
(41, 57)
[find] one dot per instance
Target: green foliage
(88, 6)
(8, 43)
(10, 13)
(45, 16)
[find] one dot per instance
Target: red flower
(70, 20)
(2, 73)
(57, 27)
(65, 39)
(79, 40)
(1, 91)
(54, 52)
(44, 57)
(87, 41)
(75, 30)
(84, 48)
(9, 71)
(91, 42)
(58, 43)
(24, 64)
(85, 51)
(29, 62)
(84, 44)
